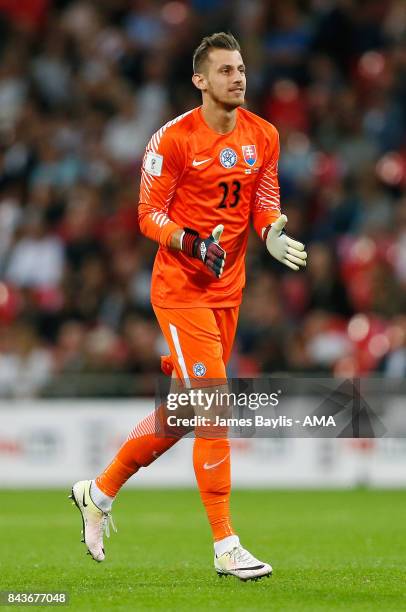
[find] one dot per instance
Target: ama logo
(250, 154)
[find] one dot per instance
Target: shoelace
(240, 555)
(106, 522)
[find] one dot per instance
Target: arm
(266, 206)
(268, 221)
(162, 167)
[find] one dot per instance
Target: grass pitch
(330, 551)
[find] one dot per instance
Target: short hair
(219, 40)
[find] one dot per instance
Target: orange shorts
(200, 340)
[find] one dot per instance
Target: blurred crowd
(83, 85)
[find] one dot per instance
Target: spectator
(82, 89)
(25, 365)
(36, 260)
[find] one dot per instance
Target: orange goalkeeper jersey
(194, 177)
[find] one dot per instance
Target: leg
(195, 339)
(94, 498)
(143, 446)
(211, 454)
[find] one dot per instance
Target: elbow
(142, 214)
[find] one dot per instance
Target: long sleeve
(162, 167)
(266, 204)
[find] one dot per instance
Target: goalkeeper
(205, 175)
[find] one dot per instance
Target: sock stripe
(144, 427)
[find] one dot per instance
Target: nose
(238, 79)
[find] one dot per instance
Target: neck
(219, 118)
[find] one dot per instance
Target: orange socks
(211, 460)
(140, 449)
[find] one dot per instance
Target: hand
(208, 250)
(286, 250)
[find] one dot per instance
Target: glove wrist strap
(266, 232)
(190, 241)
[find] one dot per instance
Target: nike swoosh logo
(83, 501)
(198, 163)
(210, 466)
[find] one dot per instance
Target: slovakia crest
(250, 154)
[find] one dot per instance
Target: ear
(199, 81)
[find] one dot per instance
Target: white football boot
(95, 521)
(240, 563)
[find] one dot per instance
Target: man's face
(224, 77)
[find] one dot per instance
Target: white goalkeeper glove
(289, 252)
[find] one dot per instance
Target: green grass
(330, 550)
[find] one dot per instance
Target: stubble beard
(227, 105)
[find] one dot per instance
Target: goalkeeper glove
(284, 249)
(207, 250)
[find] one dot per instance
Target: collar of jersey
(199, 109)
